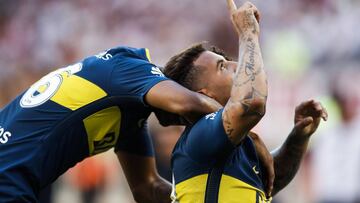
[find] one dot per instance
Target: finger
(317, 106)
(270, 189)
(257, 15)
(310, 106)
(309, 102)
(305, 122)
(325, 115)
(248, 4)
(231, 6)
(320, 111)
(270, 182)
(304, 104)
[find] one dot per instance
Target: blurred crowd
(311, 49)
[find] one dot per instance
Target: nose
(233, 65)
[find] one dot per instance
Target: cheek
(226, 85)
(229, 80)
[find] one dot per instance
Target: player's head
(203, 69)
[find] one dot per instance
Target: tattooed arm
(288, 157)
(246, 105)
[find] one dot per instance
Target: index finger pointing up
(231, 6)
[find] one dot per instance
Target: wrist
(299, 136)
(248, 35)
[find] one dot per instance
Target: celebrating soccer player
(217, 158)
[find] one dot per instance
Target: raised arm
(172, 97)
(246, 105)
(288, 157)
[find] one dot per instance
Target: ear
(206, 92)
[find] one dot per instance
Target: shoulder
(209, 122)
(121, 55)
(131, 52)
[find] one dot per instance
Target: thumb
(304, 123)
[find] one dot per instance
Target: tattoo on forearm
(287, 161)
(228, 126)
(249, 87)
(249, 69)
(249, 65)
(250, 74)
(246, 103)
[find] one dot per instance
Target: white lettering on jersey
(104, 55)
(157, 71)
(211, 116)
(4, 135)
(47, 86)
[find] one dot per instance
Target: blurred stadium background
(311, 49)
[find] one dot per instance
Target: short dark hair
(181, 68)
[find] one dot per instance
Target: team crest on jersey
(157, 71)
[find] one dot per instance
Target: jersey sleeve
(136, 141)
(207, 140)
(134, 77)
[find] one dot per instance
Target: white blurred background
(311, 49)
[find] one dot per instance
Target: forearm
(287, 160)
(162, 191)
(173, 98)
(145, 183)
(195, 110)
(249, 91)
(200, 106)
(156, 191)
(250, 78)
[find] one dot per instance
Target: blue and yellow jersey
(75, 112)
(208, 168)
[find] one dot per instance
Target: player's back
(72, 113)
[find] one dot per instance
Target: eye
(222, 66)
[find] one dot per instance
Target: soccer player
(215, 160)
(85, 109)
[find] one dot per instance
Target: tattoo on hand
(248, 21)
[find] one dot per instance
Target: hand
(307, 117)
(267, 162)
(166, 119)
(244, 19)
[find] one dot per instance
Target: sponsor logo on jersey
(157, 71)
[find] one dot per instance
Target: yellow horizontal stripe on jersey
(103, 128)
(76, 92)
(192, 190)
(233, 190)
(148, 54)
